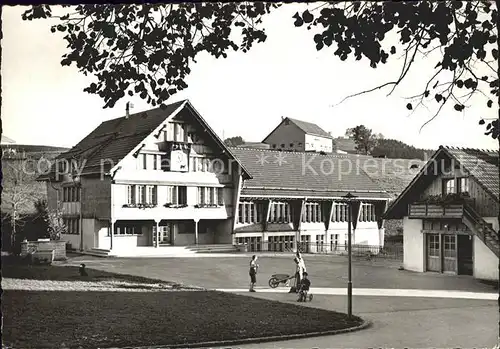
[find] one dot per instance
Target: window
(128, 230)
(280, 243)
(282, 145)
(253, 242)
(177, 195)
(141, 194)
(274, 146)
(250, 212)
(449, 186)
(291, 145)
(210, 196)
(151, 195)
(463, 185)
(131, 194)
(449, 246)
(220, 196)
(179, 134)
(433, 240)
(340, 212)
(155, 162)
(367, 213)
(312, 212)
(144, 160)
(201, 195)
(334, 241)
(72, 225)
(280, 212)
(71, 194)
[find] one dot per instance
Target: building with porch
(450, 214)
(163, 178)
(297, 198)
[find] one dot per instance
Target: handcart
(277, 279)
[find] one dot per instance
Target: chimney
(127, 109)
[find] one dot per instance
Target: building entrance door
(465, 255)
(433, 253)
(449, 243)
(164, 234)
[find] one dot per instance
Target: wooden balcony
(420, 211)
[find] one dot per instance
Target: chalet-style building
(163, 178)
(450, 212)
(297, 135)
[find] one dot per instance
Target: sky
(245, 94)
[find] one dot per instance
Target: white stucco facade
(413, 245)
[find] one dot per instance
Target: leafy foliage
(147, 49)
(395, 149)
(53, 221)
(363, 137)
(465, 32)
(234, 141)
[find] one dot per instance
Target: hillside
(395, 149)
(393, 175)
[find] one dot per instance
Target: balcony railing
(425, 210)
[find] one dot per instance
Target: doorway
(165, 234)
(465, 255)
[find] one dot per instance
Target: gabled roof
(114, 139)
(297, 174)
(482, 165)
(7, 140)
(307, 127)
(310, 128)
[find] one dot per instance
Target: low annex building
(163, 178)
(450, 214)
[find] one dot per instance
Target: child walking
(253, 272)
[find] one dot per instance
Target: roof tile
(308, 173)
(482, 164)
(310, 128)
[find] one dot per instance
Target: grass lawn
(91, 319)
(11, 268)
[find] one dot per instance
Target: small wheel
(274, 282)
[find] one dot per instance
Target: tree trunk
(498, 138)
(13, 222)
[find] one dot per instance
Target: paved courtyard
(397, 321)
(324, 271)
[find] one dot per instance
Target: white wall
(413, 245)
(318, 143)
(485, 261)
(88, 230)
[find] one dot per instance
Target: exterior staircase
(482, 229)
(221, 248)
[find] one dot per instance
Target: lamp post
(349, 197)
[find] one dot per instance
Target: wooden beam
(327, 208)
(380, 208)
(297, 209)
(267, 214)
(356, 205)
